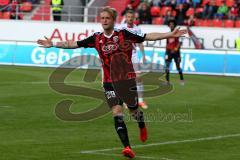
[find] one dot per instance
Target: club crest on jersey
(115, 39)
(109, 47)
(126, 45)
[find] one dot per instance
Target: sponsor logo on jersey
(109, 47)
(115, 39)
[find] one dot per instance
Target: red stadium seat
(26, 6)
(43, 13)
(228, 23)
(205, 23)
(230, 3)
(155, 11)
(219, 2)
(237, 23)
(199, 10)
(4, 2)
(157, 20)
(6, 15)
(196, 22)
(174, 13)
(204, 2)
(190, 12)
(217, 23)
(164, 10)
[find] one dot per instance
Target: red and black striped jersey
(172, 43)
(115, 52)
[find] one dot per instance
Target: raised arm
(158, 36)
(47, 43)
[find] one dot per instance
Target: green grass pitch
(29, 129)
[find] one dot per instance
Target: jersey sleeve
(135, 37)
(139, 31)
(118, 27)
(89, 42)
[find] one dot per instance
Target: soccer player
(173, 52)
(110, 43)
(129, 18)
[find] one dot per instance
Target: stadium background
(30, 129)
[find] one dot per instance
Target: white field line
(5, 106)
(119, 155)
(167, 143)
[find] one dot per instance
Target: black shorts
(121, 92)
(169, 56)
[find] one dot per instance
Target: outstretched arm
(158, 36)
(47, 43)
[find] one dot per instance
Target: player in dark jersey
(173, 52)
(115, 50)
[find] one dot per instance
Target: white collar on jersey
(130, 26)
(109, 35)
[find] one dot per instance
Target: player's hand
(47, 43)
(177, 32)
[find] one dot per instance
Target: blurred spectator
(238, 6)
(157, 3)
(181, 2)
(14, 9)
(238, 3)
(136, 21)
(129, 7)
(134, 3)
(144, 14)
(57, 9)
(168, 17)
(191, 21)
(15, 16)
(233, 12)
(209, 10)
(196, 3)
(15, 5)
(188, 3)
(199, 13)
(3, 5)
(170, 3)
(33, 1)
(167, 2)
(222, 11)
(181, 14)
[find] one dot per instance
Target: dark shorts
(120, 93)
(176, 56)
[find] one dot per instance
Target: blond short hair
(111, 11)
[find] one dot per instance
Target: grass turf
(29, 129)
